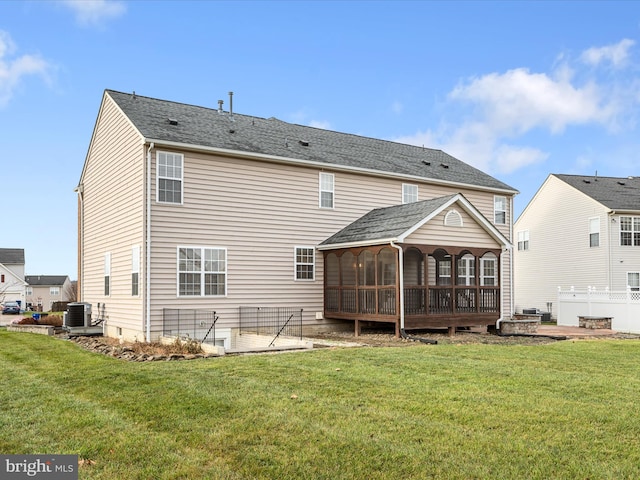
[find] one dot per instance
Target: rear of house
(189, 208)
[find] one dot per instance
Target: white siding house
(184, 207)
(12, 283)
(577, 231)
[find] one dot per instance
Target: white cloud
(518, 101)
(616, 54)
(13, 71)
(94, 12)
(501, 108)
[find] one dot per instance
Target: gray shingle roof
(12, 256)
(162, 120)
(45, 280)
(387, 223)
(616, 193)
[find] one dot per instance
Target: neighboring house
(12, 283)
(581, 231)
(185, 207)
(43, 290)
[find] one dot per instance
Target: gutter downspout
(80, 191)
(404, 334)
(502, 289)
(401, 273)
(147, 272)
(610, 219)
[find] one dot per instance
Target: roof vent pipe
(220, 102)
(231, 104)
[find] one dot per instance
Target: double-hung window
(326, 190)
(630, 231)
(523, 240)
(305, 263)
(594, 232)
(444, 272)
(633, 281)
(499, 210)
(54, 291)
(202, 271)
(409, 193)
(170, 173)
(488, 271)
(135, 271)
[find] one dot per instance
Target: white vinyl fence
(622, 306)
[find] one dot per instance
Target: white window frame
(409, 193)
(326, 184)
(634, 232)
(453, 219)
(466, 270)
(483, 277)
(299, 262)
(107, 274)
(636, 287)
(162, 173)
(54, 291)
(447, 267)
(594, 232)
(202, 270)
(523, 240)
(497, 199)
(29, 291)
(135, 270)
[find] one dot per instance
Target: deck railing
(418, 300)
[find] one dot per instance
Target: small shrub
(185, 345)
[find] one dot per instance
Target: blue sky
(517, 89)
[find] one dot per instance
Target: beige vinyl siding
(113, 203)
(559, 254)
(259, 212)
(623, 258)
(471, 234)
(435, 232)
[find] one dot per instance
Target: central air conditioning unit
(77, 315)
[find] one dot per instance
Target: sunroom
(430, 264)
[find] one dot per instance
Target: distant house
(44, 290)
(12, 283)
(189, 208)
(581, 231)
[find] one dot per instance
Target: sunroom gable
(399, 224)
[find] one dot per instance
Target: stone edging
(124, 352)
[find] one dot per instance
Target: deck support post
(357, 327)
(452, 331)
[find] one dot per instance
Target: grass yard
(566, 410)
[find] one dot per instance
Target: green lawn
(562, 410)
